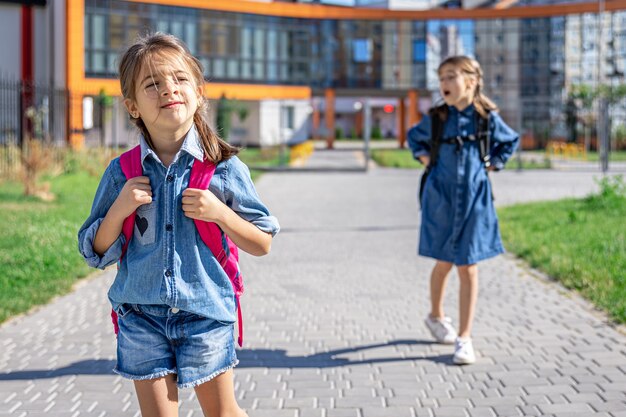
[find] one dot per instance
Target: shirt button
(168, 273)
(175, 310)
(170, 178)
(169, 227)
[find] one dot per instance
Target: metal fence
(29, 111)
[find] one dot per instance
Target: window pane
(246, 43)
(162, 26)
(190, 37)
(98, 62)
(98, 32)
(362, 50)
(219, 68)
(177, 29)
(232, 68)
(272, 44)
(419, 51)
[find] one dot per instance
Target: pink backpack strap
(130, 161)
(224, 250)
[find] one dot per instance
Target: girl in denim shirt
(175, 304)
(459, 224)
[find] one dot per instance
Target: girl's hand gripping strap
(130, 161)
(220, 245)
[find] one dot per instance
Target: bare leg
(438, 281)
(467, 298)
(217, 397)
(158, 397)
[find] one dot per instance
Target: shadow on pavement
(86, 367)
(250, 358)
(268, 358)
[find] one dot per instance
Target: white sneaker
(441, 329)
(463, 352)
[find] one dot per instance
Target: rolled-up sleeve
(106, 194)
(241, 196)
(419, 138)
(504, 141)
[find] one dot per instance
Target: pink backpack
(220, 245)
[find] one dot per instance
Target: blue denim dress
(167, 263)
(459, 222)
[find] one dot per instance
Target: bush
(377, 133)
(338, 133)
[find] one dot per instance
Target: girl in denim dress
(175, 304)
(459, 225)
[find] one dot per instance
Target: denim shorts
(155, 340)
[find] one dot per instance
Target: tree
(583, 97)
(105, 102)
(222, 120)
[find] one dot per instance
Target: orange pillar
(358, 123)
(401, 114)
(75, 50)
(316, 121)
(330, 117)
(414, 114)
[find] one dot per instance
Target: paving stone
(327, 336)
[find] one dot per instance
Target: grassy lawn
(263, 158)
(593, 156)
(39, 256)
(394, 158)
(402, 158)
(617, 156)
(38, 251)
(579, 242)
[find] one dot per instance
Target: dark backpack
(436, 132)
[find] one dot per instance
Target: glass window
(419, 50)
(233, 70)
(98, 62)
(246, 43)
(98, 31)
(190, 37)
(177, 29)
(288, 117)
(162, 26)
(362, 50)
(272, 44)
(219, 68)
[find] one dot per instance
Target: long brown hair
(168, 47)
(469, 68)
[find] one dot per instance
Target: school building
(304, 69)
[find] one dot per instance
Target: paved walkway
(334, 322)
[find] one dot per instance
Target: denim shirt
(166, 262)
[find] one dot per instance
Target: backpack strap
(484, 138)
(436, 130)
(224, 250)
(130, 161)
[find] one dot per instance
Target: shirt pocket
(145, 224)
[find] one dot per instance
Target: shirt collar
(191, 145)
(465, 112)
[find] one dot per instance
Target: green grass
(38, 251)
(402, 158)
(263, 158)
(616, 156)
(579, 242)
(394, 158)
